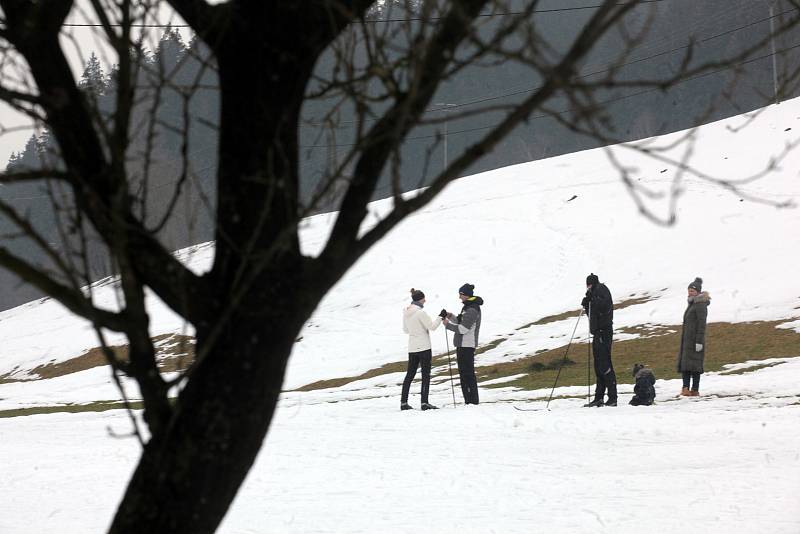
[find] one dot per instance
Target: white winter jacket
(417, 324)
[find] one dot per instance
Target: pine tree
(93, 79)
(29, 158)
(170, 49)
(13, 162)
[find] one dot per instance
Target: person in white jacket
(417, 324)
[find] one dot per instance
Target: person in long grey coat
(693, 338)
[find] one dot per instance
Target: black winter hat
(592, 279)
(637, 367)
(417, 295)
(697, 285)
(466, 289)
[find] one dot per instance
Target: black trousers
(414, 361)
(465, 358)
(695, 377)
(603, 368)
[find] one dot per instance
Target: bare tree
(247, 310)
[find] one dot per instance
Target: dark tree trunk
(188, 476)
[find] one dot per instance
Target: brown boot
(685, 392)
(694, 393)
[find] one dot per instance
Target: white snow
(347, 460)
(719, 464)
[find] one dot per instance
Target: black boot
(610, 402)
(405, 406)
(594, 404)
(428, 406)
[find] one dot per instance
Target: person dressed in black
(466, 327)
(644, 391)
(600, 309)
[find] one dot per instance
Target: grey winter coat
(694, 331)
(467, 325)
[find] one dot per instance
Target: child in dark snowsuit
(644, 390)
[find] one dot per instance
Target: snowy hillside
(526, 236)
(517, 236)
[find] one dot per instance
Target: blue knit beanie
(466, 289)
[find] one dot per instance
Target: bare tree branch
(69, 297)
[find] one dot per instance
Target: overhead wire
(409, 19)
(586, 75)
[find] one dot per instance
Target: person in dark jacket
(693, 338)
(600, 308)
(467, 326)
(644, 391)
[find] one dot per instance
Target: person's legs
(695, 382)
(465, 357)
(610, 375)
(472, 380)
(413, 363)
(599, 371)
(425, 361)
(462, 363)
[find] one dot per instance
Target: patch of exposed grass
(489, 346)
(6, 378)
(744, 370)
(657, 347)
(551, 319)
(554, 364)
(97, 406)
(647, 330)
(727, 343)
(88, 360)
(174, 352)
(632, 300)
(394, 367)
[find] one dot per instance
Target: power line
(412, 19)
(345, 124)
(513, 13)
(601, 103)
(632, 62)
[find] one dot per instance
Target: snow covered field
(347, 460)
(715, 465)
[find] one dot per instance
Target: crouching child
(644, 390)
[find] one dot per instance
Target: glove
(698, 347)
(443, 313)
(585, 302)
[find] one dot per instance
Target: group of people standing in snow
(466, 327)
(599, 307)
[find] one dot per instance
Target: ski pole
(450, 365)
(565, 358)
(589, 357)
